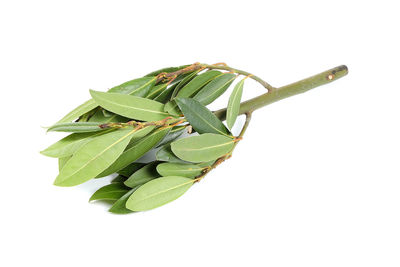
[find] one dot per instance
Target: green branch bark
(289, 90)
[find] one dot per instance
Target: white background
(315, 182)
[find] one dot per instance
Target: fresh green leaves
(112, 191)
(197, 83)
(130, 106)
(200, 117)
(142, 176)
(78, 111)
(94, 157)
(179, 169)
(205, 147)
(215, 88)
(75, 127)
(158, 192)
(234, 104)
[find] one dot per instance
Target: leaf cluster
(111, 132)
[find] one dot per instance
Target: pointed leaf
(130, 169)
(205, 147)
(94, 157)
(175, 132)
(158, 192)
(142, 176)
(197, 83)
(179, 169)
(135, 151)
(234, 104)
(156, 90)
(200, 117)
(138, 87)
(76, 127)
(62, 161)
(110, 192)
(167, 70)
(166, 154)
(119, 206)
(130, 106)
(215, 88)
(79, 111)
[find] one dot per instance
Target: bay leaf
(76, 127)
(112, 191)
(62, 161)
(165, 95)
(138, 87)
(158, 192)
(167, 70)
(215, 88)
(143, 175)
(173, 134)
(166, 154)
(204, 147)
(130, 169)
(234, 104)
(192, 87)
(130, 106)
(189, 76)
(156, 90)
(135, 151)
(179, 169)
(94, 157)
(119, 206)
(200, 117)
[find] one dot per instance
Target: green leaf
(166, 154)
(119, 179)
(79, 111)
(130, 106)
(184, 81)
(205, 147)
(130, 169)
(135, 151)
(139, 87)
(110, 192)
(62, 161)
(119, 206)
(172, 108)
(94, 157)
(68, 145)
(156, 90)
(175, 132)
(76, 127)
(167, 70)
(234, 104)
(158, 192)
(197, 83)
(142, 176)
(200, 117)
(179, 169)
(215, 88)
(165, 95)
(101, 118)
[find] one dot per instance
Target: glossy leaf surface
(202, 148)
(215, 88)
(94, 157)
(234, 104)
(200, 117)
(130, 106)
(179, 169)
(135, 151)
(112, 191)
(158, 192)
(142, 176)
